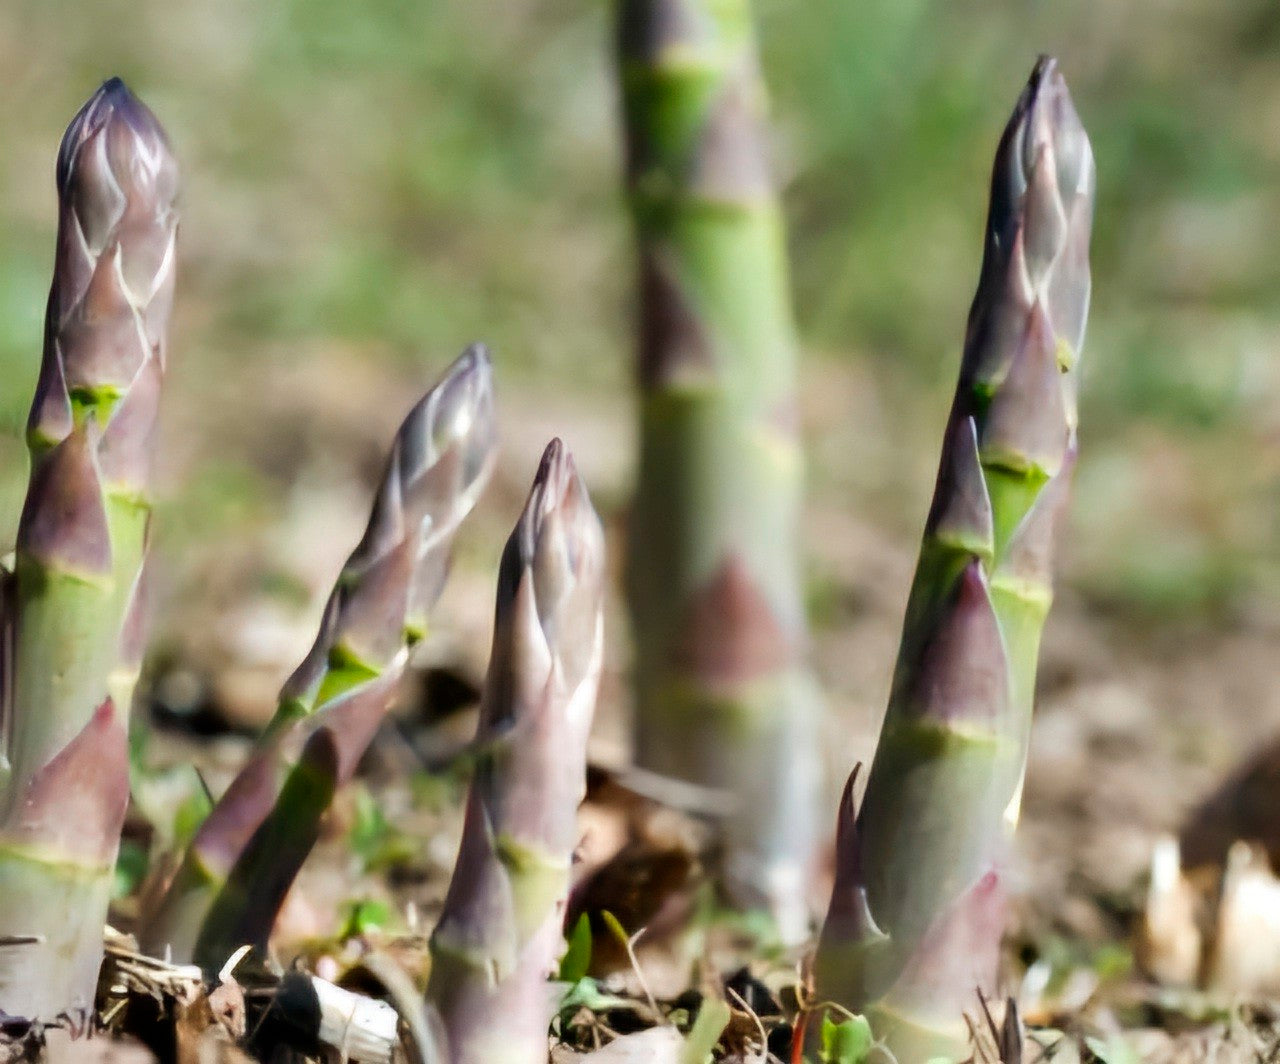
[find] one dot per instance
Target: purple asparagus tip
(559, 541)
(113, 105)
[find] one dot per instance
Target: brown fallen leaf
(1244, 807)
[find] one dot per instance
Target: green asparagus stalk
(246, 854)
(7, 588)
(499, 936)
(724, 698)
(74, 614)
(916, 914)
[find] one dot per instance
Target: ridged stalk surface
(74, 609)
(500, 933)
(916, 916)
(723, 695)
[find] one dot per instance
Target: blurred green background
(371, 185)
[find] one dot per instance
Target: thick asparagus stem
(915, 918)
(724, 698)
(74, 609)
(243, 859)
(499, 935)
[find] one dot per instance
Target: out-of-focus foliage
(374, 184)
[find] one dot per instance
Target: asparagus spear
(499, 935)
(74, 614)
(243, 859)
(723, 695)
(916, 913)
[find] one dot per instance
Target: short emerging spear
(500, 934)
(245, 855)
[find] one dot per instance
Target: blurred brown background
(370, 186)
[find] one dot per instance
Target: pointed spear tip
(112, 101)
(115, 92)
(559, 491)
(476, 353)
(557, 549)
(847, 816)
(1046, 115)
(115, 98)
(1046, 84)
(469, 376)
(458, 411)
(1046, 68)
(555, 467)
(552, 484)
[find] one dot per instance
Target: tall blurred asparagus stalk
(74, 611)
(246, 854)
(917, 911)
(724, 698)
(499, 935)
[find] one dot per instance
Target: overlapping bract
(113, 283)
(499, 935)
(917, 914)
(724, 695)
(246, 854)
(73, 609)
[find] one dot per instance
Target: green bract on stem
(74, 605)
(723, 695)
(499, 936)
(246, 854)
(917, 914)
